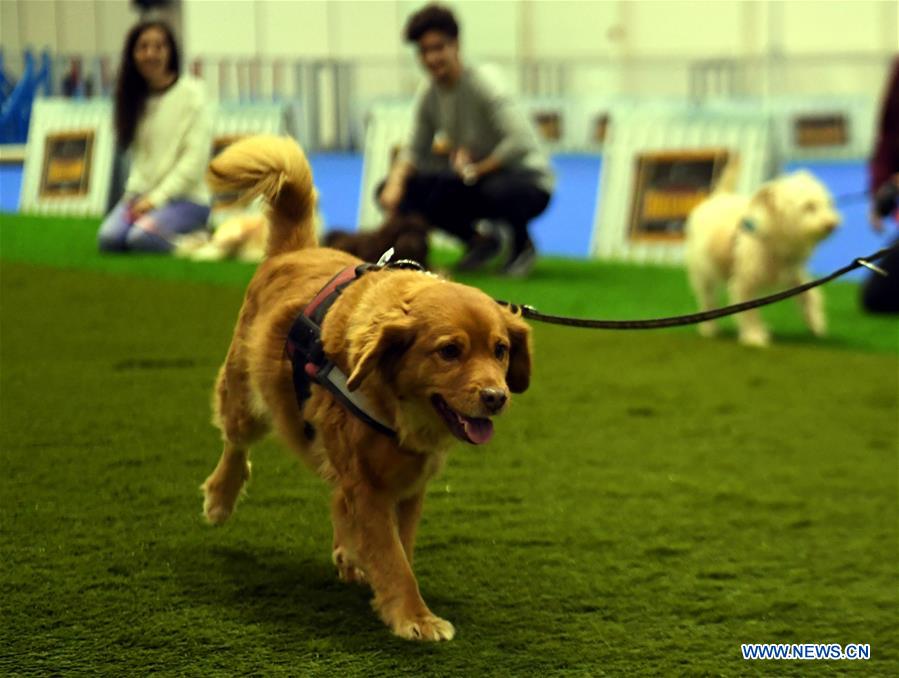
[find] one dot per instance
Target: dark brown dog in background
(408, 235)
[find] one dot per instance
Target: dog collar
(748, 225)
(306, 353)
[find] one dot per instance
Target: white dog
(757, 243)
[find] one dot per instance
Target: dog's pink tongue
(478, 430)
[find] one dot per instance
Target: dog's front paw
(424, 627)
(220, 493)
(757, 337)
(413, 621)
(818, 325)
(346, 569)
(217, 507)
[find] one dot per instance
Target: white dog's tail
(276, 169)
(730, 176)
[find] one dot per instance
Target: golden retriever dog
(758, 242)
(433, 359)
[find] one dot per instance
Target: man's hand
(391, 195)
(395, 186)
(472, 172)
(460, 160)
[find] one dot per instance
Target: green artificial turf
(652, 502)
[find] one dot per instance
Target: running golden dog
(432, 358)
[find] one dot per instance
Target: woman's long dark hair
(131, 88)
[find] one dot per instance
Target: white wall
(64, 26)
(494, 28)
(638, 46)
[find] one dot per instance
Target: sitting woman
(164, 118)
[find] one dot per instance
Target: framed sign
(658, 164)
(668, 186)
(66, 168)
(69, 157)
(821, 130)
(549, 125)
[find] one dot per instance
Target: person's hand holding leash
(884, 203)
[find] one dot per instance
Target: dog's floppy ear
(377, 345)
(518, 376)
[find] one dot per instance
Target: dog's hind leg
(704, 286)
(342, 554)
(752, 329)
(811, 303)
(408, 513)
(240, 426)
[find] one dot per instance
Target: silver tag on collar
(385, 258)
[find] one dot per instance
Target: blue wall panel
(10, 187)
(338, 176)
(565, 228)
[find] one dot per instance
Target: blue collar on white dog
(748, 225)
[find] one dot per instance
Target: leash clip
(385, 258)
(873, 267)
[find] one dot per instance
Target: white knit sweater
(172, 145)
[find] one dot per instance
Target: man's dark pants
(445, 201)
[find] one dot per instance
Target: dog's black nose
(493, 398)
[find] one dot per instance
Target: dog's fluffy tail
(276, 169)
(730, 176)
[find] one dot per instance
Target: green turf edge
(580, 288)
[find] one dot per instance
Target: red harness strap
(306, 353)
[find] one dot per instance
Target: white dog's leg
(811, 304)
(704, 290)
(751, 327)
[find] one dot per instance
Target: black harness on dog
(306, 353)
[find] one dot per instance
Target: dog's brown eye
(450, 352)
(500, 351)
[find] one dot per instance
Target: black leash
(532, 313)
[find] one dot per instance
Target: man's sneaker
(482, 250)
(521, 263)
